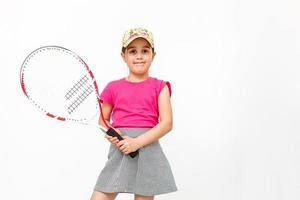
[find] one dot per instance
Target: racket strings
(83, 96)
(80, 91)
(76, 87)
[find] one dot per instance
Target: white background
(234, 69)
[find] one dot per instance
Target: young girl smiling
(140, 110)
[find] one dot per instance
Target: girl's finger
(120, 143)
(114, 140)
(106, 136)
(125, 151)
(122, 148)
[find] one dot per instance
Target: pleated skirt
(148, 174)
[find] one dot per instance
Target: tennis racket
(62, 86)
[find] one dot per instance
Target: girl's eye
(132, 51)
(145, 51)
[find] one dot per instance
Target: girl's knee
(97, 195)
(141, 197)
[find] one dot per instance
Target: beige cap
(134, 33)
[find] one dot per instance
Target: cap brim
(136, 37)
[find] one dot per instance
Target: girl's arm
(166, 120)
(106, 111)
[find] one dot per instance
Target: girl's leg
(140, 197)
(103, 196)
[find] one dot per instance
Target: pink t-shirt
(134, 104)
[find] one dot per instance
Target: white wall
(234, 69)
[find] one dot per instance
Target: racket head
(60, 84)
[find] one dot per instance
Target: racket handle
(113, 133)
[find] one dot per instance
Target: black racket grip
(113, 133)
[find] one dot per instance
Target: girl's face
(138, 56)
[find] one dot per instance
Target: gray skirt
(147, 174)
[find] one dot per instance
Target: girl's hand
(113, 140)
(128, 145)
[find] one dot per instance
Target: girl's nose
(139, 55)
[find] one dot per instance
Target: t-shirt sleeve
(163, 84)
(106, 95)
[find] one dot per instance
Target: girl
(135, 103)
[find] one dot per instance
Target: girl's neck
(133, 78)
